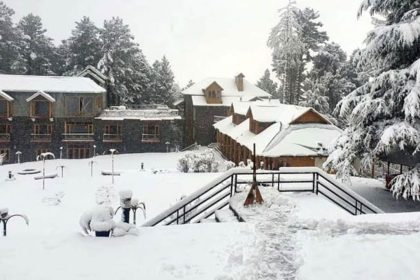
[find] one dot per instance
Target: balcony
(114, 138)
(41, 138)
(4, 137)
(78, 137)
(150, 138)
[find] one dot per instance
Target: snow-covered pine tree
(10, 42)
(267, 84)
(38, 50)
(123, 63)
(314, 96)
(331, 70)
(83, 47)
(384, 113)
(293, 40)
(163, 83)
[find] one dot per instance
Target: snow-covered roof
(229, 88)
(281, 138)
(94, 72)
(139, 114)
(62, 84)
(40, 93)
(6, 96)
(242, 107)
(302, 140)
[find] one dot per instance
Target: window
(42, 129)
(40, 109)
(76, 151)
(99, 103)
(4, 109)
(76, 106)
(151, 133)
(6, 153)
(79, 127)
(5, 132)
(112, 133)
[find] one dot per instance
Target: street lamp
(43, 157)
(18, 153)
(91, 163)
(61, 152)
(94, 150)
(112, 151)
(5, 217)
(167, 143)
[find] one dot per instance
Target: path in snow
(274, 255)
(375, 192)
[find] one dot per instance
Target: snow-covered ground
(290, 236)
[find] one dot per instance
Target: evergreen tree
(267, 84)
(332, 70)
(189, 84)
(38, 50)
(384, 113)
(293, 40)
(10, 46)
(124, 64)
(163, 84)
(314, 96)
(84, 47)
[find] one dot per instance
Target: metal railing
(40, 137)
(216, 195)
(109, 137)
(4, 137)
(150, 138)
(78, 136)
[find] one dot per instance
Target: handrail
(205, 199)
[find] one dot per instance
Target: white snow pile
(100, 219)
(199, 162)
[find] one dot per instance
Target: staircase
(215, 196)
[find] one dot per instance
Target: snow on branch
(399, 135)
(407, 185)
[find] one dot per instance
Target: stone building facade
(67, 116)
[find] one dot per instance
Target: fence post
(184, 213)
(177, 217)
(231, 186)
(313, 182)
(316, 183)
(355, 210)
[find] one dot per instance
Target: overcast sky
(201, 38)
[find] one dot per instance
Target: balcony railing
(109, 137)
(77, 137)
(150, 138)
(40, 137)
(4, 137)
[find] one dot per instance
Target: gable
(310, 116)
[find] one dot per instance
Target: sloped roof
(62, 84)
(229, 88)
(40, 93)
(283, 113)
(6, 96)
(139, 114)
(242, 107)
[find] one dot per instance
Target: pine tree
(293, 40)
(84, 47)
(384, 113)
(163, 83)
(38, 50)
(267, 84)
(333, 71)
(10, 46)
(314, 96)
(124, 64)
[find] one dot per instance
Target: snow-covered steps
(226, 215)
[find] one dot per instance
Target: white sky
(201, 38)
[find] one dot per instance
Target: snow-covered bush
(198, 162)
(230, 165)
(407, 185)
(99, 219)
(241, 164)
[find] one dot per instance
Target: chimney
(239, 81)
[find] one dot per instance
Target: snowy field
(291, 236)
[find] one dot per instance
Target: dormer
(5, 105)
(256, 126)
(40, 105)
(311, 116)
(239, 81)
(236, 117)
(213, 93)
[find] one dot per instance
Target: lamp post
(112, 151)
(5, 217)
(91, 163)
(167, 143)
(18, 153)
(43, 157)
(94, 150)
(61, 152)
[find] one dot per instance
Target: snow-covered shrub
(122, 229)
(407, 185)
(198, 162)
(241, 164)
(230, 165)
